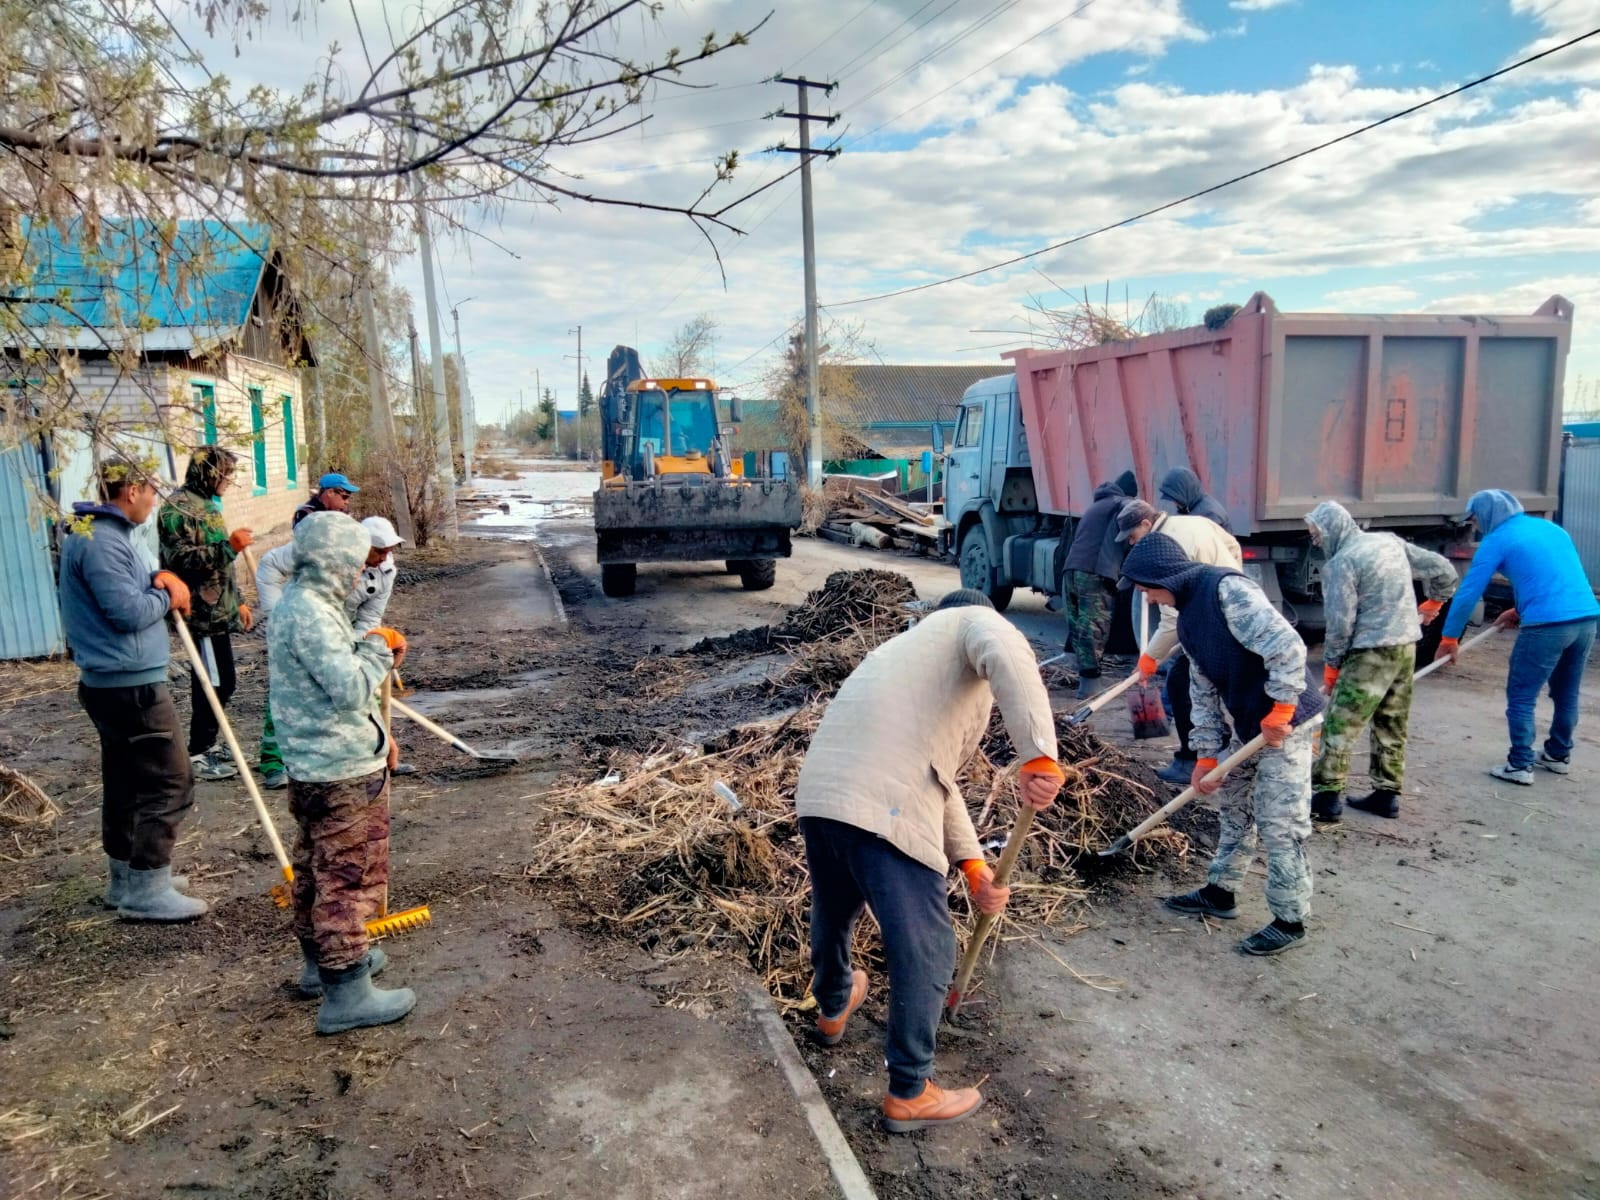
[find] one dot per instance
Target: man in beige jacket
(883, 820)
(1203, 541)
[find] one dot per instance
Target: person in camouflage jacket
(197, 547)
(325, 693)
(1369, 652)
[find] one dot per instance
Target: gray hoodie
(1366, 584)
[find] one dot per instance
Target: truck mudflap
(664, 521)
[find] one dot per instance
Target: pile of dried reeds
(849, 603)
(815, 505)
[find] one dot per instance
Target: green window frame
(205, 395)
(258, 441)
(291, 467)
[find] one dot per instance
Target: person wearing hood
(1090, 570)
(1181, 487)
(1369, 653)
(325, 692)
(884, 820)
(1555, 616)
(365, 605)
(115, 608)
(1202, 541)
(1247, 665)
(197, 547)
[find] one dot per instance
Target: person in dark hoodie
(1556, 613)
(1248, 664)
(1182, 487)
(1090, 571)
(115, 605)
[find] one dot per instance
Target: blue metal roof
(1582, 429)
(199, 276)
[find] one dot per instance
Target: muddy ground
(1435, 1039)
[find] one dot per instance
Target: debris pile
(860, 512)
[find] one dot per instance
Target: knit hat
(1158, 561)
(1134, 512)
(963, 598)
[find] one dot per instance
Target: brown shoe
(934, 1107)
(831, 1029)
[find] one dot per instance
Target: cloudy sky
(976, 130)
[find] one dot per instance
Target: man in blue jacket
(1556, 612)
(115, 605)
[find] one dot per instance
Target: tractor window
(694, 423)
(652, 425)
(969, 430)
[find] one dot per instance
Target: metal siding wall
(1580, 510)
(30, 618)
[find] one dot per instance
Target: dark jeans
(145, 780)
(1555, 654)
(852, 869)
(203, 728)
(1176, 698)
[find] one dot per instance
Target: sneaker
(1518, 775)
(1328, 807)
(1208, 901)
(221, 753)
(1558, 766)
(1382, 802)
(405, 768)
(1178, 772)
(1273, 939)
(831, 1029)
(934, 1107)
(275, 780)
(209, 767)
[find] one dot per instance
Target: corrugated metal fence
(30, 621)
(1580, 501)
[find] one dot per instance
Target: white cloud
(1377, 298)
(1258, 5)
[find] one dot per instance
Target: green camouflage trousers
(341, 864)
(1374, 685)
(1090, 600)
(1277, 809)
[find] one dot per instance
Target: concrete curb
(550, 580)
(841, 1160)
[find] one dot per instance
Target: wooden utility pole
(577, 426)
(445, 465)
(382, 417)
(808, 237)
(469, 410)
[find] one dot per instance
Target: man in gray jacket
(883, 820)
(115, 607)
(1369, 652)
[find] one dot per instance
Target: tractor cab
(671, 427)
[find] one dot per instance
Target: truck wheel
(618, 579)
(758, 574)
(977, 572)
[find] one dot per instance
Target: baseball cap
(1134, 512)
(383, 534)
(335, 480)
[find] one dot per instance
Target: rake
(381, 926)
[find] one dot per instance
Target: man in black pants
(115, 607)
(883, 821)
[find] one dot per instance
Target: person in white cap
(365, 606)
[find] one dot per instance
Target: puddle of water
(431, 704)
(521, 505)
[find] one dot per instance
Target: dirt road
(1433, 1040)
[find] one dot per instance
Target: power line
(997, 11)
(1226, 183)
(860, 12)
(850, 67)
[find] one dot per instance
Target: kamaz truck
(671, 488)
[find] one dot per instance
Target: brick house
(162, 338)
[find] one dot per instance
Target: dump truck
(1400, 418)
(671, 488)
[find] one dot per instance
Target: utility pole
(469, 409)
(808, 235)
(382, 418)
(578, 425)
(444, 460)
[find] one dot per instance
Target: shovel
(986, 921)
(1084, 712)
(1126, 841)
(444, 735)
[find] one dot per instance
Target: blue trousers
(1554, 654)
(852, 869)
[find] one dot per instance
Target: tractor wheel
(758, 574)
(618, 579)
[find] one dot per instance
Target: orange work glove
(1197, 780)
(1448, 648)
(1428, 610)
(392, 638)
(1509, 619)
(1041, 780)
(1275, 730)
(1330, 676)
(239, 539)
(247, 618)
(986, 896)
(1147, 666)
(176, 589)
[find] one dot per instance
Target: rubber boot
(1089, 685)
(1327, 807)
(1380, 802)
(150, 896)
(349, 1001)
(310, 983)
(1178, 772)
(117, 874)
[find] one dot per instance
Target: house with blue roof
(156, 337)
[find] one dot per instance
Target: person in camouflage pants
(1373, 685)
(341, 865)
(1090, 599)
